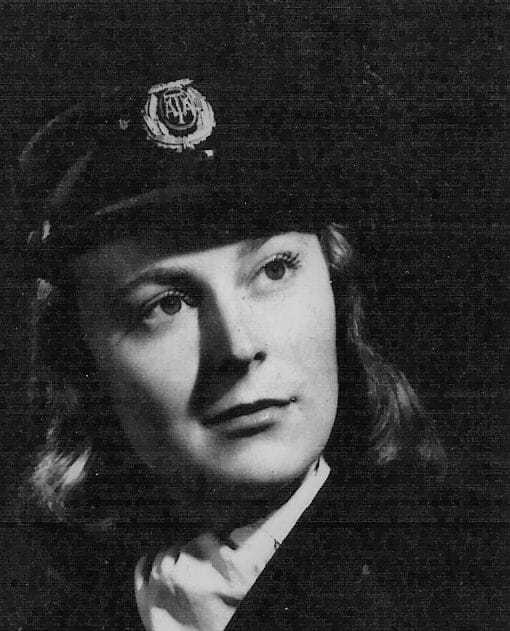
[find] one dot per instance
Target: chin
(261, 476)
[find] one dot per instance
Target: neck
(224, 509)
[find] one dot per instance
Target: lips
(244, 410)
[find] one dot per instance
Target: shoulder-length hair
(86, 465)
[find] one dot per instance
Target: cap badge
(177, 116)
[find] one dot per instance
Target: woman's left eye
(277, 267)
(275, 270)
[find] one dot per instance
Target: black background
(435, 213)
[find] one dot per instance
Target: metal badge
(177, 116)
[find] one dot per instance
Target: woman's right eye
(170, 304)
(165, 307)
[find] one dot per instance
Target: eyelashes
(136, 316)
(291, 259)
(168, 304)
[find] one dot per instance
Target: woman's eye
(275, 270)
(164, 307)
(170, 304)
(279, 265)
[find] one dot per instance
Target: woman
(224, 450)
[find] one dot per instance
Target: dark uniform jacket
(364, 556)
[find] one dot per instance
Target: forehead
(122, 259)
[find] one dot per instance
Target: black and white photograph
(255, 288)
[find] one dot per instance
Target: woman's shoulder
(61, 575)
(439, 543)
(380, 554)
(34, 584)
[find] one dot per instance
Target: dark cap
(218, 158)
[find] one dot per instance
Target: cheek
(151, 387)
(160, 373)
(312, 341)
(307, 326)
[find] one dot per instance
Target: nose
(232, 338)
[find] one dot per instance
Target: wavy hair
(86, 466)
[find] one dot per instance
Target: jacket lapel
(321, 577)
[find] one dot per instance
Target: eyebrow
(252, 245)
(154, 275)
(162, 275)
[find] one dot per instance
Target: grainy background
(436, 221)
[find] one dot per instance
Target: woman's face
(221, 362)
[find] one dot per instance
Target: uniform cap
(231, 158)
